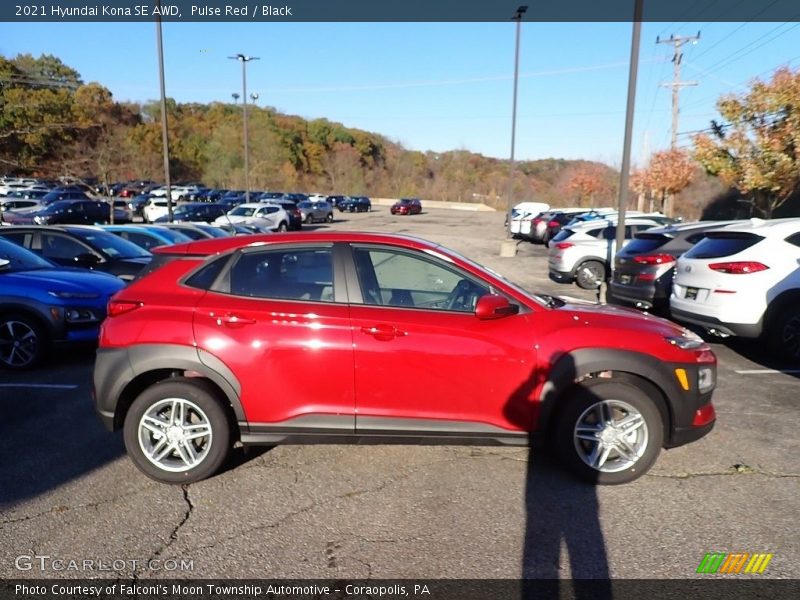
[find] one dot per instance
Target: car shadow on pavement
(49, 437)
(563, 536)
(756, 351)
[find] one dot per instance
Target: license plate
(691, 293)
(624, 278)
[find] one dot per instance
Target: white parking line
(48, 386)
(767, 371)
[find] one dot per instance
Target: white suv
(583, 252)
(744, 281)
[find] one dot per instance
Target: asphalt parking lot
(343, 512)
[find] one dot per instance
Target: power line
(733, 58)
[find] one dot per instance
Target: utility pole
(676, 85)
(164, 128)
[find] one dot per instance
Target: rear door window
(646, 243)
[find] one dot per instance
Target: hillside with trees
(52, 124)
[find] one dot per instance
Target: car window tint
(305, 274)
(794, 239)
(718, 244)
(60, 247)
(393, 278)
(646, 243)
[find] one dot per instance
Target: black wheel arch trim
(117, 368)
(680, 405)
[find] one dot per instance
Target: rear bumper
(642, 296)
(746, 330)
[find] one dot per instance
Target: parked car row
(727, 278)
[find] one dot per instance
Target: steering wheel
(460, 296)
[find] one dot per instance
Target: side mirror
(86, 259)
(4, 263)
(494, 307)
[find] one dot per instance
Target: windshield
(111, 245)
(20, 258)
(57, 207)
(243, 211)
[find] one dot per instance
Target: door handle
(232, 320)
(383, 332)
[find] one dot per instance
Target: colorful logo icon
(734, 562)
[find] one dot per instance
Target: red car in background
(214, 344)
(407, 206)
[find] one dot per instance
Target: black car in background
(200, 212)
(137, 204)
(335, 200)
(355, 204)
(81, 246)
(645, 267)
(72, 212)
(292, 210)
(64, 193)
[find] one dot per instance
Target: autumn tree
(669, 172)
(588, 182)
(757, 147)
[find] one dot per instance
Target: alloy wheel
(18, 343)
(175, 434)
(610, 436)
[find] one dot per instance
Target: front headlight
(706, 379)
(688, 340)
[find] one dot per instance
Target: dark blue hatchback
(42, 304)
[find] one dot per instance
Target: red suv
(406, 206)
(215, 342)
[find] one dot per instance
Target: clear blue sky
(434, 86)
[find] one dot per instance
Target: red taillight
(654, 259)
(563, 245)
(704, 415)
(120, 307)
(553, 223)
(738, 268)
(537, 220)
(297, 212)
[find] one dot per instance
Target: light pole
(235, 97)
(164, 130)
(510, 249)
(254, 97)
(244, 60)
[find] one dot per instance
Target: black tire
(214, 448)
(283, 227)
(23, 342)
(309, 219)
(580, 406)
(783, 333)
(329, 218)
(590, 274)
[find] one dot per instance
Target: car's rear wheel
(329, 218)
(590, 274)
(177, 431)
(23, 342)
(783, 334)
(309, 218)
(283, 227)
(608, 432)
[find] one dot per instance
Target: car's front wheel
(23, 342)
(608, 432)
(329, 217)
(177, 431)
(590, 274)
